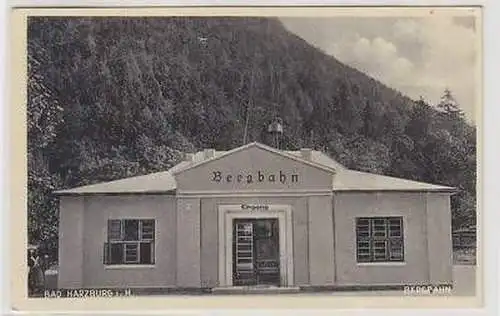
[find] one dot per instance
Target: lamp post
(275, 128)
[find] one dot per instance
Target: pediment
(254, 167)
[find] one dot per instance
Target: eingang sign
(253, 207)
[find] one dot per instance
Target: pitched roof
(350, 180)
(343, 180)
(320, 158)
(159, 182)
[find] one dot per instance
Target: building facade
(255, 216)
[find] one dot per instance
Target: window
(130, 241)
(379, 239)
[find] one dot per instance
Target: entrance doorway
(256, 253)
(256, 245)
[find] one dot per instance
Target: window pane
(379, 231)
(364, 257)
(394, 231)
(131, 253)
(395, 221)
(245, 229)
(362, 235)
(379, 250)
(114, 229)
(396, 249)
(131, 230)
(116, 254)
(362, 228)
(363, 251)
(245, 247)
(395, 227)
(148, 229)
(379, 256)
(364, 231)
(363, 221)
(396, 256)
(363, 245)
(379, 222)
(146, 253)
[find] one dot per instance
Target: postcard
(244, 157)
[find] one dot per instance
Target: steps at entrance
(255, 290)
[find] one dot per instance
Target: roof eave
(151, 192)
(443, 190)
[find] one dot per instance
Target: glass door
(243, 253)
(256, 254)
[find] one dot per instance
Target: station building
(255, 216)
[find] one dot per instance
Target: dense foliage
(111, 98)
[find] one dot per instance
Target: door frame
(226, 215)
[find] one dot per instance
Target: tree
(345, 112)
(43, 115)
(420, 119)
(449, 106)
(372, 120)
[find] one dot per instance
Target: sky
(421, 57)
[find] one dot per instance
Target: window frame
(380, 233)
(131, 248)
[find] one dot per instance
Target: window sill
(129, 266)
(369, 264)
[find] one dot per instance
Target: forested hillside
(111, 98)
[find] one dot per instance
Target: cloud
(419, 57)
(377, 57)
(406, 29)
(448, 61)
